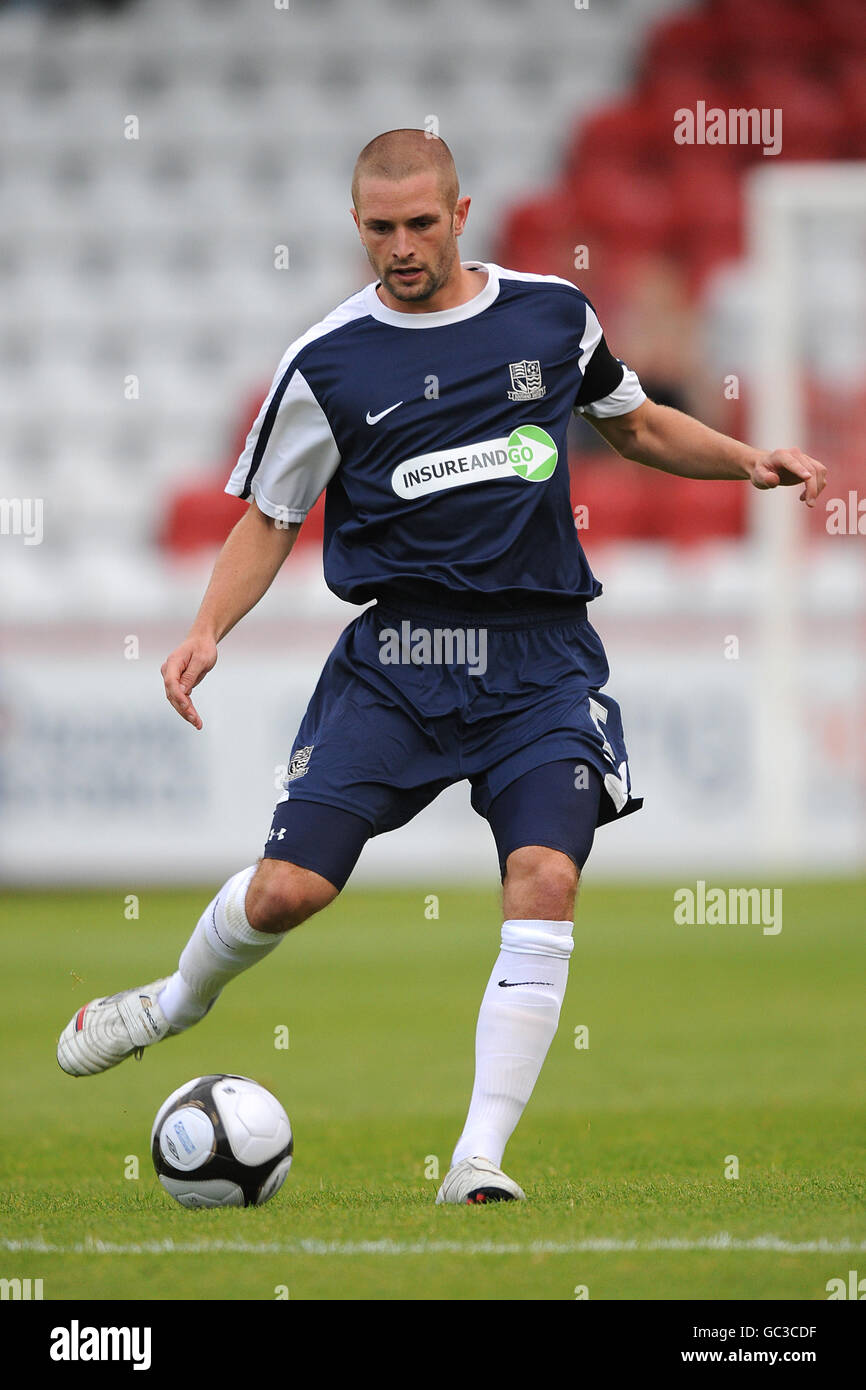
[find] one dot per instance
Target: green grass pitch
(705, 1044)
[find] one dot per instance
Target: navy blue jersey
(440, 439)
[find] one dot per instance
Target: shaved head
(401, 154)
(409, 213)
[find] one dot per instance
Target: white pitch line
(594, 1245)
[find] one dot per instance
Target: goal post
(786, 207)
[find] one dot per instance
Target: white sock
(221, 947)
(516, 1025)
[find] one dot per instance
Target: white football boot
(106, 1031)
(475, 1181)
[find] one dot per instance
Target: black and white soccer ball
(221, 1141)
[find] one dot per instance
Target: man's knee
(282, 895)
(540, 883)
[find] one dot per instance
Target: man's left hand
(787, 468)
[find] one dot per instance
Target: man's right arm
(245, 569)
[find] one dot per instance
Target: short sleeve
(608, 387)
(290, 454)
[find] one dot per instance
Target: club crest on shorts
(299, 763)
(526, 383)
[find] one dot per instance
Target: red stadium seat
(813, 119)
(199, 518)
(783, 29)
(706, 199)
(663, 99)
(843, 26)
(685, 47)
(626, 502)
(539, 235)
(707, 220)
(609, 489)
(851, 90)
(691, 511)
(617, 135)
(627, 207)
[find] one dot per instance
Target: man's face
(410, 234)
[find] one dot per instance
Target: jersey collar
(399, 319)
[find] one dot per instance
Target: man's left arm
(667, 439)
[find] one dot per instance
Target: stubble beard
(430, 283)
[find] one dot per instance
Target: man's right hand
(245, 569)
(188, 664)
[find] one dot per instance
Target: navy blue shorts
(410, 702)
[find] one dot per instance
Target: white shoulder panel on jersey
(291, 452)
(531, 275)
(299, 459)
(629, 394)
(590, 338)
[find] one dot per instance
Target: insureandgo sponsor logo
(77, 1343)
(528, 452)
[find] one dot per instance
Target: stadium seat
(706, 217)
(851, 90)
(627, 208)
(841, 23)
(782, 29)
(689, 512)
(609, 490)
(684, 47)
(199, 517)
(813, 120)
(540, 234)
(617, 135)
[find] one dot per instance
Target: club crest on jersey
(299, 763)
(526, 383)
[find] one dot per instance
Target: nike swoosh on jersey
(374, 419)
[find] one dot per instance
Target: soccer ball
(221, 1141)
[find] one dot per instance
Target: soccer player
(432, 407)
